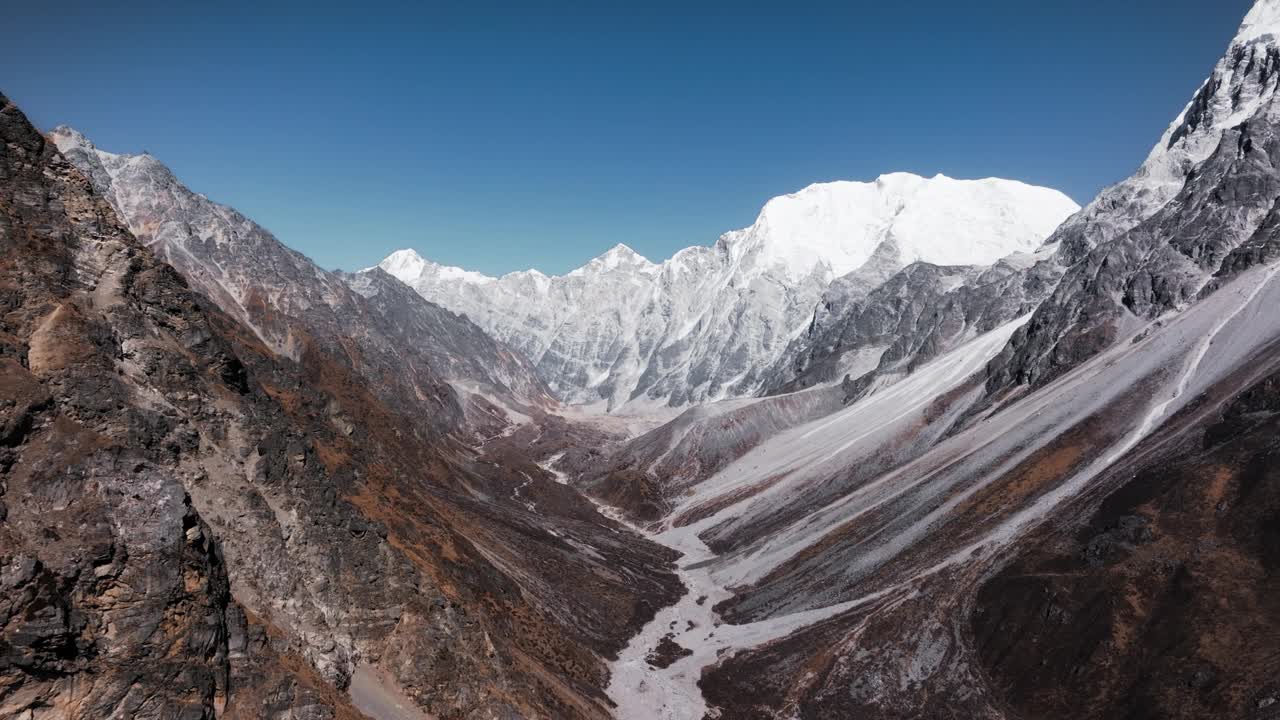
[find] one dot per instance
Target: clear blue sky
(500, 136)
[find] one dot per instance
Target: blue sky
(499, 136)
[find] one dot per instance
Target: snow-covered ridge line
(840, 223)
(710, 322)
(1262, 20)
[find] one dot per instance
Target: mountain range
(625, 334)
(913, 447)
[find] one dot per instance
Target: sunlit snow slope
(709, 322)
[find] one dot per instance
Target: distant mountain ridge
(625, 332)
(291, 303)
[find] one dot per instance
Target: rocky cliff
(201, 521)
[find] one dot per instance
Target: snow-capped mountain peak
(1262, 20)
(409, 263)
(618, 257)
(68, 137)
(709, 322)
(938, 220)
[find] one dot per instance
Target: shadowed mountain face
(193, 522)
(419, 358)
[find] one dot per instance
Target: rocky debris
(667, 652)
(115, 599)
(645, 476)
(1164, 550)
(1163, 602)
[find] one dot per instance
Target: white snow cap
(837, 226)
(616, 257)
(67, 137)
(1263, 19)
(937, 220)
(408, 263)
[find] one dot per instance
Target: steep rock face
(821, 353)
(1201, 207)
(988, 299)
(168, 462)
(294, 305)
(892, 314)
(708, 323)
(869, 341)
(114, 595)
(495, 382)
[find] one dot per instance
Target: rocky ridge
(294, 306)
(262, 526)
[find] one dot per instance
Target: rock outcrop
(1200, 209)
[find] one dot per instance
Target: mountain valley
(913, 447)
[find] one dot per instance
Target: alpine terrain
(707, 324)
(907, 448)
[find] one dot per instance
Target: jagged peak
(617, 257)
(622, 251)
(1242, 82)
(66, 137)
(406, 264)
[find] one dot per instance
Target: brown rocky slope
(193, 524)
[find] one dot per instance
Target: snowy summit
(706, 323)
(1262, 20)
